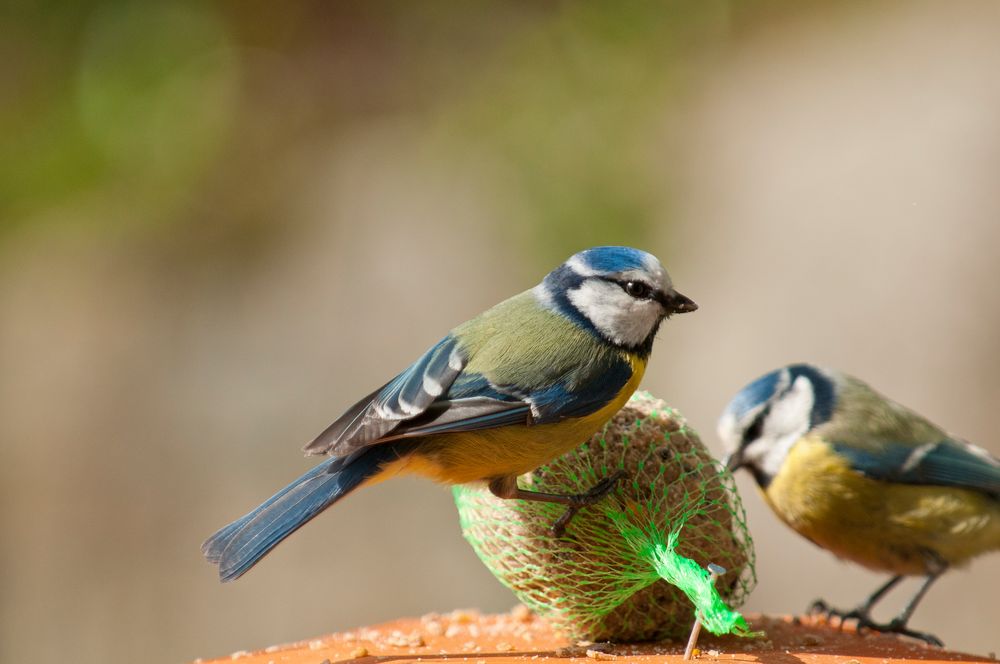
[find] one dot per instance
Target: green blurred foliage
(133, 116)
(155, 92)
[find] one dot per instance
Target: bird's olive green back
(518, 342)
(868, 420)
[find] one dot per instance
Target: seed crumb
(238, 654)
(597, 654)
(503, 646)
(359, 652)
(521, 613)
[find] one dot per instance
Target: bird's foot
(899, 627)
(865, 622)
(594, 494)
(819, 607)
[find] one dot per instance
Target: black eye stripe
(756, 427)
(635, 288)
(754, 430)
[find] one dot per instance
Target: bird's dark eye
(636, 289)
(754, 430)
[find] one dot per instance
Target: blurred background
(220, 224)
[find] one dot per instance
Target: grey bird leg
(895, 626)
(898, 624)
(861, 613)
(506, 487)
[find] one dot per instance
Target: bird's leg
(898, 624)
(506, 487)
(861, 613)
(594, 494)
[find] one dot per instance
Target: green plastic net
(632, 566)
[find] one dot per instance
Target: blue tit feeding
(865, 478)
(500, 395)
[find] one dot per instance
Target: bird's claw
(819, 607)
(899, 627)
(559, 527)
(591, 496)
(601, 489)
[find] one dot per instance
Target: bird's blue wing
(436, 395)
(474, 402)
(581, 390)
(421, 401)
(403, 398)
(945, 463)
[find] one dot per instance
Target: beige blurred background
(221, 224)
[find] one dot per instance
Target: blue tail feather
(216, 544)
(240, 545)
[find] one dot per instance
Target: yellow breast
(459, 458)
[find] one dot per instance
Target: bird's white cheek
(770, 455)
(726, 428)
(600, 304)
(643, 317)
(614, 313)
(787, 422)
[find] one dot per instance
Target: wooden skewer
(715, 571)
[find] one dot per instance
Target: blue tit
(865, 478)
(500, 395)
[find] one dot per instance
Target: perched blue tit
(865, 478)
(500, 395)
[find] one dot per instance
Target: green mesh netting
(618, 572)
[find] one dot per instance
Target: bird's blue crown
(765, 388)
(754, 394)
(596, 261)
(608, 260)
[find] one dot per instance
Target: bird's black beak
(675, 303)
(733, 461)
